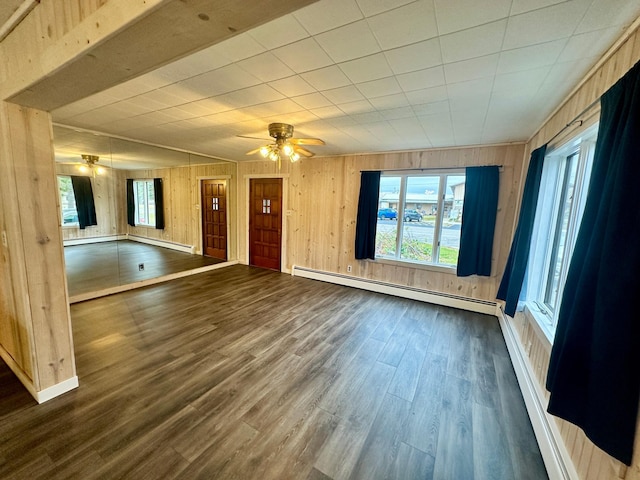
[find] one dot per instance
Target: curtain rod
(575, 120)
(429, 168)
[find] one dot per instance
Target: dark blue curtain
(131, 206)
(367, 215)
(514, 271)
(85, 204)
(159, 200)
(478, 220)
(593, 375)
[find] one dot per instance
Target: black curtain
(131, 204)
(159, 199)
(478, 220)
(511, 284)
(85, 205)
(367, 215)
(593, 375)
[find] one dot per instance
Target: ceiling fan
(89, 165)
(284, 145)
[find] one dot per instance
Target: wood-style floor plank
(242, 373)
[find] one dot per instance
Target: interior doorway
(265, 222)
(214, 218)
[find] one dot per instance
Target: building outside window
(68, 211)
(419, 217)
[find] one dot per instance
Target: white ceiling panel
(367, 75)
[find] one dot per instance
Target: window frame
(148, 186)
(443, 174)
(75, 224)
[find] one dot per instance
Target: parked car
(387, 213)
(69, 217)
(411, 215)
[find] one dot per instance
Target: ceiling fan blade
(303, 151)
(255, 150)
(306, 141)
(255, 138)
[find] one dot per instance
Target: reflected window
(145, 203)
(68, 210)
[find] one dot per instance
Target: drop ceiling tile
(328, 112)
(415, 57)
(405, 25)
(327, 15)
(292, 86)
(427, 95)
(567, 74)
(358, 107)
(438, 129)
(374, 7)
(544, 25)
(464, 14)
(166, 96)
(473, 69)
(249, 96)
(222, 80)
(206, 106)
(349, 42)
(427, 78)
(474, 42)
(238, 47)
(526, 58)
(195, 64)
(303, 56)
(367, 68)
(232, 116)
(343, 94)
(431, 108)
(279, 32)
(523, 6)
(326, 78)
(390, 101)
(312, 100)
(526, 82)
(581, 46)
(145, 101)
(379, 88)
(266, 67)
(395, 113)
(279, 107)
(177, 114)
(470, 95)
(603, 14)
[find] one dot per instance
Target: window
(144, 200)
(563, 191)
(68, 211)
(419, 218)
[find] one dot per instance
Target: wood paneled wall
(590, 462)
(181, 188)
(107, 189)
(322, 201)
(34, 308)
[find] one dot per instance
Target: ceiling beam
(57, 57)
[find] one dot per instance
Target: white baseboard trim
(88, 240)
(57, 390)
(438, 298)
(42, 395)
(554, 453)
(162, 243)
(81, 297)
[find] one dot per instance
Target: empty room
(298, 239)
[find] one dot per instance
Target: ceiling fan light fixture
(274, 155)
(294, 157)
(287, 149)
(264, 151)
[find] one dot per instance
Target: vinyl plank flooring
(245, 373)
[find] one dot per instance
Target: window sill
(421, 266)
(540, 321)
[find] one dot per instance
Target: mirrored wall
(148, 212)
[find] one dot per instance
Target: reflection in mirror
(149, 219)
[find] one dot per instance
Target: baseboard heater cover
(412, 293)
(89, 240)
(162, 243)
(554, 453)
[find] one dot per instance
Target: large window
(144, 202)
(563, 191)
(419, 218)
(69, 213)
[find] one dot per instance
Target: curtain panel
(131, 206)
(479, 211)
(516, 267)
(85, 204)
(367, 218)
(159, 199)
(593, 374)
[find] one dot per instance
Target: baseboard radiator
(412, 293)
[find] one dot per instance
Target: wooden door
(265, 222)
(214, 218)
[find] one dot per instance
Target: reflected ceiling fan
(89, 165)
(284, 145)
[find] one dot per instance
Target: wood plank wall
(590, 462)
(321, 206)
(182, 199)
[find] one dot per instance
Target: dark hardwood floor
(243, 373)
(97, 266)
